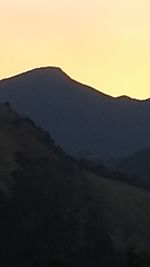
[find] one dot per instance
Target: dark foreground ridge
(48, 211)
(54, 213)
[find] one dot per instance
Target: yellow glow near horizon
(103, 43)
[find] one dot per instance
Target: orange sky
(103, 43)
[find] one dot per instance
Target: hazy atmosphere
(75, 133)
(102, 43)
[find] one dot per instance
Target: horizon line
(23, 72)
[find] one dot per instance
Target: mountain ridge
(79, 117)
(59, 70)
(55, 213)
(47, 206)
(50, 70)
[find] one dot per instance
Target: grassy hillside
(47, 207)
(55, 213)
(127, 212)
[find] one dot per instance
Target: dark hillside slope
(54, 213)
(126, 210)
(48, 210)
(79, 118)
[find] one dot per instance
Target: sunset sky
(103, 43)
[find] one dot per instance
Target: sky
(102, 43)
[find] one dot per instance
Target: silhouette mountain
(49, 213)
(79, 118)
(55, 213)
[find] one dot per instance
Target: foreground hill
(49, 215)
(54, 213)
(79, 118)
(126, 210)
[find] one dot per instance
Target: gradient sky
(103, 43)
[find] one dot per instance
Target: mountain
(136, 166)
(49, 213)
(81, 119)
(55, 213)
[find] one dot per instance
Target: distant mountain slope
(137, 166)
(79, 117)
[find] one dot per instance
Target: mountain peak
(127, 98)
(52, 71)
